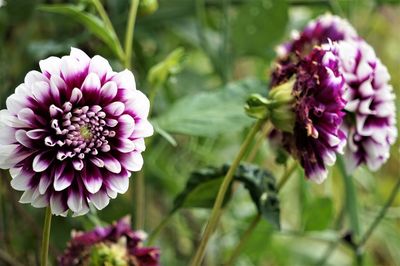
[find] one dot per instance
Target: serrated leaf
(258, 25)
(263, 191)
(201, 189)
(213, 113)
(90, 21)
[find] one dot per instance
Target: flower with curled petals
(370, 121)
(318, 90)
(73, 133)
(115, 245)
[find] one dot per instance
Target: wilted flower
(113, 245)
(370, 123)
(73, 133)
(318, 91)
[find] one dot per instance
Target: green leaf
(263, 191)
(318, 215)
(201, 189)
(90, 21)
(258, 25)
(210, 114)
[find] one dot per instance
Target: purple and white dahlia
(115, 245)
(370, 121)
(318, 103)
(73, 133)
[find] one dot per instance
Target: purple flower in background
(370, 123)
(318, 91)
(113, 245)
(73, 133)
(370, 120)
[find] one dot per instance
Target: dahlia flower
(73, 133)
(317, 89)
(113, 245)
(370, 121)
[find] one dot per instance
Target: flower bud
(147, 7)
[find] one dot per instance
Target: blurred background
(222, 50)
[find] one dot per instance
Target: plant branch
(46, 237)
(215, 213)
(130, 28)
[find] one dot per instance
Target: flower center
(80, 131)
(85, 132)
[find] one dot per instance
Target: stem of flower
(243, 240)
(129, 32)
(156, 231)
(286, 175)
(140, 194)
(215, 213)
(260, 139)
(246, 235)
(103, 14)
(46, 237)
(380, 216)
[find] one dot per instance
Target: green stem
(243, 240)
(129, 32)
(103, 14)
(260, 140)
(46, 237)
(286, 175)
(225, 51)
(236, 252)
(215, 213)
(158, 229)
(380, 216)
(140, 195)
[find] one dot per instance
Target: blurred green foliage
(229, 48)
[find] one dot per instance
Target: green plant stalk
(225, 51)
(46, 237)
(286, 175)
(103, 14)
(139, 199)
(158, 229)
(351, 198)
(243, 240)
(215, 213)
(246, 235)
(380, 216)
(129, 32)
(260, 140)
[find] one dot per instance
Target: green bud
(257, 106)
(147, 7)
(281, 106)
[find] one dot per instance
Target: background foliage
(226, 49)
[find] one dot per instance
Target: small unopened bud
(147, 7)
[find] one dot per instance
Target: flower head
(113, 245)
(318, 92)
(73, 133)
(370, 121)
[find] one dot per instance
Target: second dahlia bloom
(73, 133)
(318, 90)
(115, 245)
(370, 121)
